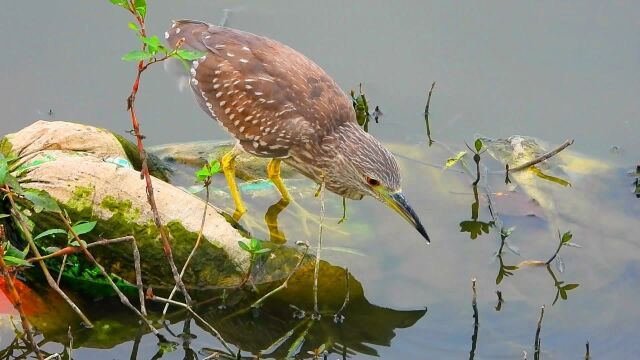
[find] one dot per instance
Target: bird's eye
(372, 182)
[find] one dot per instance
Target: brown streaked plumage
(279, 104)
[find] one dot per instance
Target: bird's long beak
(398, 203)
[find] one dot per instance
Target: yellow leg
(229, 169)
(273, 171)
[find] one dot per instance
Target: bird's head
(362, 166)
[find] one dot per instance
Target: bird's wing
(264, 93)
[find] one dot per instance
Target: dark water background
(546, 69)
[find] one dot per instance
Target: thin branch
(193, 251)
(536, 345)
(338, 317)
(542, 157)
(426, 113)
(474, 337)
(587, 355)
(286, 281)
(195, 315)
(14, 297)
(17, 215)
(104, 273)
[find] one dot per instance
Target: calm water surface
(550, 70)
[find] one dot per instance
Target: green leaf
(454, 160)
(4, 215)
(202, 174)
(566, 237)
(13, 184)
(122, 3)
(11, 250)
(14, 261)
(189, 55)
(84, 227)
(49, 233)
(244, 246)
(152, 42)
(137, 55)
(478, 145)
(141, 7)
(4, 169)
(563, 294)
(41, 200)
(571, 244)
(262, 251)
(75, 243)
(214, 167)
(133, 27)
(254, 244)
(570, 287)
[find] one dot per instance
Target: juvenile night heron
(278, 104)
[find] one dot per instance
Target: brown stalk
(164, 236)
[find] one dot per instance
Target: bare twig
(474, 304)
(316, 271)
(15, 299)
(17, 215)
(426, 113)
(193, 251)
(542, 157)
(70, 335)
(104, 273)
(338, 317)
(587, 356)
(215, 332)
(286, 281)
(536, 345)
(77, 249)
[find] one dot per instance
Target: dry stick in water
(14, 297)
(50, 280)
(338, 315)
(164, 236)
(536, 345)
(542, 157)
(586, 354)
(426, 113)
(474, 304)
(193, 251)
(316, 271)
(104, 273)
(215, 332)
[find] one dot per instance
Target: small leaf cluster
(15, 257)
(209, 170)
(253, 247)
(151, 45)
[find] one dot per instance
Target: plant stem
(536, 353)
(17, 215)
(285, 283)
(195, 315)
(193, 251)
(426, 113)
(474, 337)
(164, 237)
(104, 273)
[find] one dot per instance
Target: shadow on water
(283, 325)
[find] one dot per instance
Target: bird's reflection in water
(284, 324)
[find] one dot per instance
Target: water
(549, 70)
